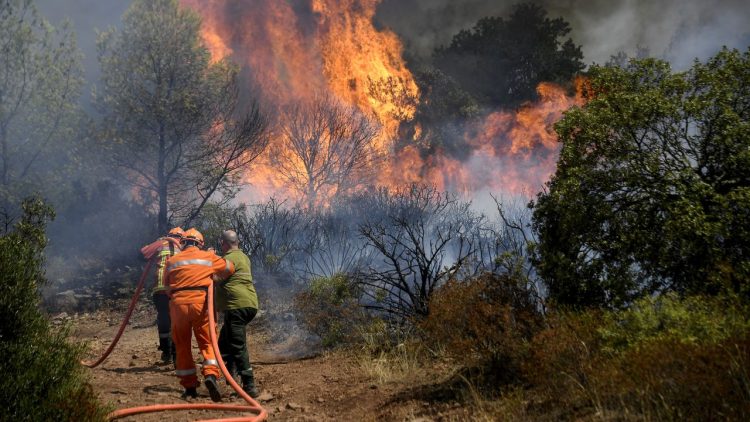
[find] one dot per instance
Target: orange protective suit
(188, 278)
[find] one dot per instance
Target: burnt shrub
(669, 379)
(330, 308)
(485, 324)
(561, 360)
(42, 379)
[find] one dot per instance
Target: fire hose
(253, 406)
(124, 323)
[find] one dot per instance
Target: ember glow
(295, 52)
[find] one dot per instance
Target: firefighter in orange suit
(161, 249)
(189, 275)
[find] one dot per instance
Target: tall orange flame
(294, 51)
(512, 152)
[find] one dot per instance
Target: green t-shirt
(238, 290)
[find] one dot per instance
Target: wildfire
(293, 53)
(356, 54)
(511, 152)
(517, 151)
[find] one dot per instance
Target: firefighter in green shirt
(237, 299)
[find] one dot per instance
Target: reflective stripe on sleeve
(213, 362)
(185, 372)
(203, 262)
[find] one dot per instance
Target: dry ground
(339, 386)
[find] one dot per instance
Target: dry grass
(402, 363)
(510, 406)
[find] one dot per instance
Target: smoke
(676, 30)
(87, 17)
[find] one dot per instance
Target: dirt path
(330, 386)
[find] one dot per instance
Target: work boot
(213, 388)
(248, 384)
(190, 392)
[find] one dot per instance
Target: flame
(355, 54)
(524, 143)
(332, 47)
(514, 152)
(266, 38)
(295, 51)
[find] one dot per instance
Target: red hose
(125, 320)
(253, 406)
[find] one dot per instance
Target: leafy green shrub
(671, 358)
(42, 378)
(693, 320)
(330, 309)
(484, 323)
(625, 213)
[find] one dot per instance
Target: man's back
(238, 290)
(192, 269)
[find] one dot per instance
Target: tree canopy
(652, 188)
(501, 61)
(173, 117)
(40, 85)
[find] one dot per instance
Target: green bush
(626, 213)
(42, 378)
(692, 320)
(330, 309)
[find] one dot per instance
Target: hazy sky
(87, 16)
(676, 30)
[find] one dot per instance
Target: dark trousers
(232, 340)
(163, 322)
